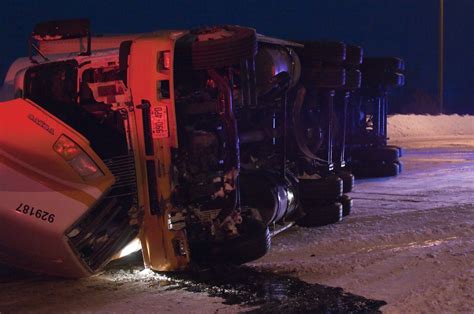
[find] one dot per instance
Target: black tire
(353, 79)
(376, 170)
(374, 79)
(253, 243)
(326, 76)
(384, 64)
(347, 204)
(241, 44)
(383, 153)
(400, 166)
(394, 80)
(316, 51)
(347, 180)
(354, 55)
(328, 188)
(400, 150)
(317, 215)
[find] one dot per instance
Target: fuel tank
(272, 60)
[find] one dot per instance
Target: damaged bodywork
(201, 144)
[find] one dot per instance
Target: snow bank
(403, 126)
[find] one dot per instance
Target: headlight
(134, 246)
(77, 158)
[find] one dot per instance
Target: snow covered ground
(409, 241)
(428, 126)
(429, 131)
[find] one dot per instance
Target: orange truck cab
(80, 157)
(106, 140)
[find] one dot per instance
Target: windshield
(52, 85)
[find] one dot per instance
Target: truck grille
(123, 168)
(106, 228)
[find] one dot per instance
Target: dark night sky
(405, 28)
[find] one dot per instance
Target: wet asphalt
(265, 291)
(256, 291)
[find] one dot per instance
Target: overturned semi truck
(187, 144)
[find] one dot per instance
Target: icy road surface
(409, 242)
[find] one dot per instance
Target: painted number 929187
(34, 212)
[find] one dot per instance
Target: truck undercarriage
(216, 138)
